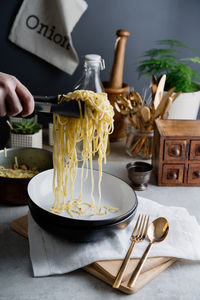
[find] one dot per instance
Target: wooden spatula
(145, 113)
(159, 91)
(161, 107)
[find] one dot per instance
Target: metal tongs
(49, 104)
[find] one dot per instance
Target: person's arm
(15, 98)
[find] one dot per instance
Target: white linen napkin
(52, 255)
(43, 27)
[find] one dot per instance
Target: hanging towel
(43, 27)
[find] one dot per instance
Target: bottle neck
(90, 79)
(92, 72)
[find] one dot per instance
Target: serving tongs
(49, 104)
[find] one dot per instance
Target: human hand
(15, 98)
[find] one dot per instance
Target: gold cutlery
(156, 233)
(138, 235)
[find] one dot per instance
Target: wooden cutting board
(106, 270)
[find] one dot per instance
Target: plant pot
(26, 140)
(185, 107)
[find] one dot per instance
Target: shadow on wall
(4, 132)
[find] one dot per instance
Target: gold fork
(138, 235)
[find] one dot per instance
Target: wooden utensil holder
(120, 122)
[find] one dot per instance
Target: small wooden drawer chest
(176, 152)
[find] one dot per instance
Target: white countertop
(180, 281)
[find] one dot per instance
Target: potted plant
(179, 71)
(26, 134)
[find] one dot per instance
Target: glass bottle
(90, 79)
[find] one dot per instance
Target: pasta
(92, 130)
(17, 173)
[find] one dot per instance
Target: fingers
(13, 104)
(2, 102)
(26, 98)
(15, 98)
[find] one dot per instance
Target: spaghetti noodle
(92, 130)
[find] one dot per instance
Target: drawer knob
(175, 151)
(172, 175)
(197, 150)
(197, 173)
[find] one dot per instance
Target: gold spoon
(156, 233)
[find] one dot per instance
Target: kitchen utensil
(175, 96)
(167, 107)
(48, 104)
(156, 233)
(145, 113)
(159, 91)
(139, 143)
(14, 190)
(154, 87)
(115, 193)
(138, 235)
(116, 76)
(160, 108)
(106, 270)
(139, 173)
(115, 86)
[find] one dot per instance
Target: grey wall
(146, 20)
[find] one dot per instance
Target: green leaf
(159, 52)
(173, 44)
(26, 127)
(193, 59)
(165, 61)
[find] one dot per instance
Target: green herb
(26, 127)
(159, 61)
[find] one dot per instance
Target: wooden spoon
(154, 87)
(159, 91)
(162, 104)
(167, 107)
(145, 113)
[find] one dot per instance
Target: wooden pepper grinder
(116, 87)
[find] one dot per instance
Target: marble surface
(180, 281)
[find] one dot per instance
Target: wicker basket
(26, 140)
